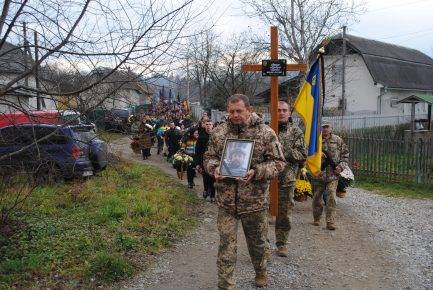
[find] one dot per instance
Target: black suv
(116, 120)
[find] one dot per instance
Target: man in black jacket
(200, 149)
(172, 138)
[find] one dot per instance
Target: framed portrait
(236, 158)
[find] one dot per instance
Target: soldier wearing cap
(246, 199)
(335, 155)
(295, 153)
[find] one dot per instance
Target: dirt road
(358, 255)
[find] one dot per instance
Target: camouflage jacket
(295, 152)
(267, 161)
(337, 152)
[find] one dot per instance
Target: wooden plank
(274, 116)
(251, 67)
(258, 67)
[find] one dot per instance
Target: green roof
(418, 99)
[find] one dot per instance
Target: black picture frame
(236, 157)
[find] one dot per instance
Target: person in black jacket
(172, 139)
(200, 149)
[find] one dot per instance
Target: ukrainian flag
(308, 106)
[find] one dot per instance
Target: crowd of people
(244, 197)
(178, 138)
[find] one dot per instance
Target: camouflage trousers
(329, 189)
(255, 226)
(284, 217)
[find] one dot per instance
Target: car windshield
(84, 134)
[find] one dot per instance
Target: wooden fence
(391, 160)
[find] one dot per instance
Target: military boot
(283, 251)
(261, 279)
(316, 222)
(330, 226)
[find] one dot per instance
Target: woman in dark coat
(145, 139)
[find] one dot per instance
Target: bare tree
(226, 73)
(304, 23)
(201, 51)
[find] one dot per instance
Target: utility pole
(343, 75)
(26, 53)
(187, 72)
(38, 95)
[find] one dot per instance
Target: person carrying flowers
(188, 145)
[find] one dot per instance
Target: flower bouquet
(181, 161)
(344, 181)
(135, 145)
(303, 188)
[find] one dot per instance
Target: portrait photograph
(236, 158)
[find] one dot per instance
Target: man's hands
(217, 175)
(338, 170)
(199, 169)
(246, 179)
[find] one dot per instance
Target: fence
(196, 110)
(391, 160)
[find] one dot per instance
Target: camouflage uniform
(247, 202)
(327, 180)
(295, 152)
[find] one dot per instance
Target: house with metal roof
(14, 62)
(377, 76)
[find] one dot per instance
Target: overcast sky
(403, 22)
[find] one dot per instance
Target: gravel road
(380, 243)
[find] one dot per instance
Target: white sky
(403, 22)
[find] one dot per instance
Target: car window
(15, 136)
(84, 134)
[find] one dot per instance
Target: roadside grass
(394, 189)
(92, 233)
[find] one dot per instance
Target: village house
(14, 63)
(377, 76)
(122, 89)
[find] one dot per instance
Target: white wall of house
(27, 103)
(362, 95)
(389, 104)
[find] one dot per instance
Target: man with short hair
(295, 153)
(244, 199)
(335, 155)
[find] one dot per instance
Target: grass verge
(397, 189)
(82, 235)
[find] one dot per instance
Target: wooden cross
(274, 103)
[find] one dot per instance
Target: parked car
(61, 152)
(117, 120)
(44, 117)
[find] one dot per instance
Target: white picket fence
(339, 123)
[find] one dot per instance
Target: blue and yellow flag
(308, 106)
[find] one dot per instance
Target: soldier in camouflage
(295, 153)
(335, 155)
(245, 199)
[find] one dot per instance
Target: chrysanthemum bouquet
(303, 187)
(181, 161)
